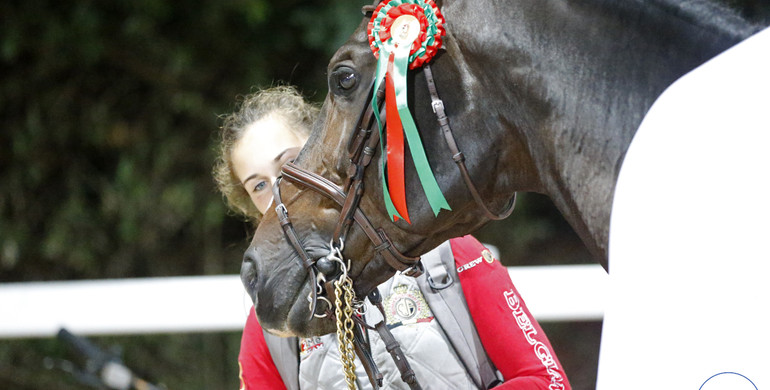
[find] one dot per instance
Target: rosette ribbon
(404, 34)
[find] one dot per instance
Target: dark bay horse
(542, 96)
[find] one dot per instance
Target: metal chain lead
(344, 296)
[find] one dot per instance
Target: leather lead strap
(392, 345)
(457, 155)
(364, 352)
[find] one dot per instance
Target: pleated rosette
(403, 35)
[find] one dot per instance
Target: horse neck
(578, 78)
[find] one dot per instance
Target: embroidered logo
(406, 306)
(540, 350)
(486, 255)
(469, 265)
(308, 345)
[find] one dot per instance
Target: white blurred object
(689, 257)
(123, 306)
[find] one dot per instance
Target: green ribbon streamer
(424, 172)
(402, 59)
(436, 199)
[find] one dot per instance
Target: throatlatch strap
(457, 155)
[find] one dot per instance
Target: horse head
(271, 271)
(541, 99)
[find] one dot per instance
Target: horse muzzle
(289, 298)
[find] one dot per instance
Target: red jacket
(512, 338)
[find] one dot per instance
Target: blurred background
(109, 114)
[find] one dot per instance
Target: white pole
(219, 303)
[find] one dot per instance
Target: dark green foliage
(109, 112)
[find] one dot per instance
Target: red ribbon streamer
(395, 146)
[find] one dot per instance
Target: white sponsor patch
(470, 264)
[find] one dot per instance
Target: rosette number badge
(404, 34)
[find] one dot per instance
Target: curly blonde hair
(284, 101)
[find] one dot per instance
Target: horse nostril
(327, 267)
(249, 274)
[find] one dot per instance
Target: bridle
(361, 149)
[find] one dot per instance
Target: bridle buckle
(281, 210)
(437, 105)
(414, 270)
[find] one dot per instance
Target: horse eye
(348, 81)
(343, 80)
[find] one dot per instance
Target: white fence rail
(218, 303)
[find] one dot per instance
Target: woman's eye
(260, 186)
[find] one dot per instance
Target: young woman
(464, 328)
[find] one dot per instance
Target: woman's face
(257, 157)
